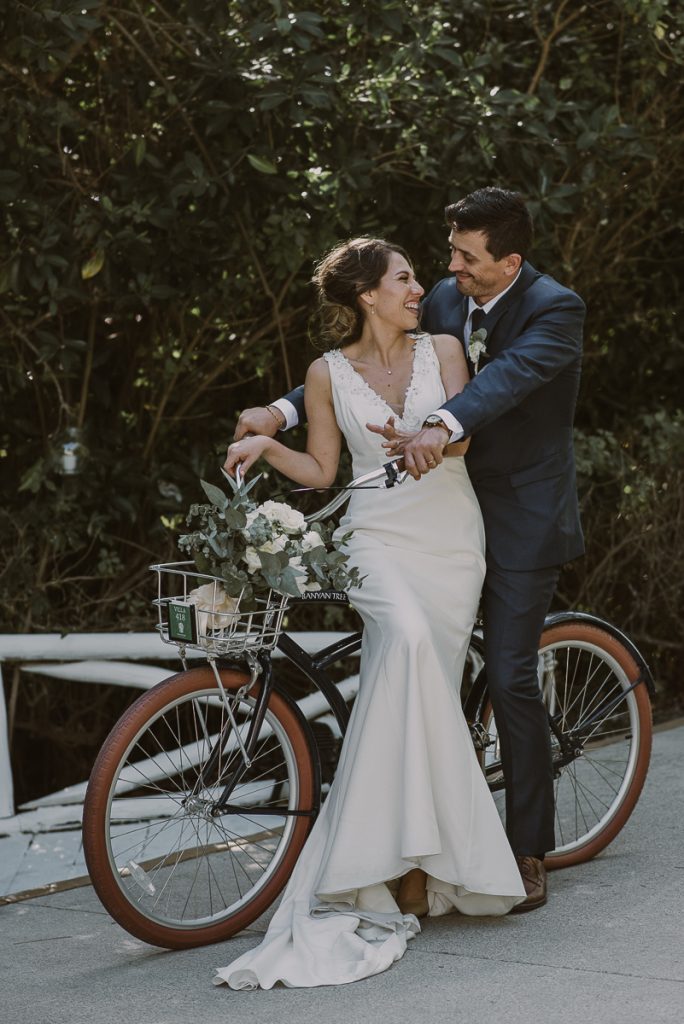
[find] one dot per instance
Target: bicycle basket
(194, 611)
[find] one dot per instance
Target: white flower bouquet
(255, 549)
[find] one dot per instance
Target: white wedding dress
(408, 791)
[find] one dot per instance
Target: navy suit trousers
(514, 605)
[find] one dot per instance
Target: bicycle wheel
(601, 737)
(169, 868)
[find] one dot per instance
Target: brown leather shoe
(533, 874)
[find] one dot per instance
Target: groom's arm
(292, 407)
(552, 342)
(282, 414)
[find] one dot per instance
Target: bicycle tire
(165, 869)
(589, 669)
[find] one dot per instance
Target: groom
(518, 409)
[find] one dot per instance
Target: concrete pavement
(608, 948)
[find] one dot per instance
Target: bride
(409, 827)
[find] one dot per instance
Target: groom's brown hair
(500, 215)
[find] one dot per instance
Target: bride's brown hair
(349, 270)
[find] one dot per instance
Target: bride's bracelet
(277, 418)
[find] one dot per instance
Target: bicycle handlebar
(391, 473)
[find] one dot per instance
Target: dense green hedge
(170, 171)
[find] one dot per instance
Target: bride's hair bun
(345, 273)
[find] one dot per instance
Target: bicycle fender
(587, 619)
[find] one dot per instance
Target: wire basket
(194, 611)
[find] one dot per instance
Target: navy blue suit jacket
(519, 412)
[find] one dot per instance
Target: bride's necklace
(375, 366)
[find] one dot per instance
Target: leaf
(195, 164)
(233, 483)
(260, 163)
(235, 517)
(33, 477)
(273, 563)
(272, 100)
(139, 151)
(93, 265)
(316, 556)
(246, 488)
(234, 581)
(288, 583)
(586, 140)
(214, 494)
(217, 547)
(5, 278)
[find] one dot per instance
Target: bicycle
(205, 790)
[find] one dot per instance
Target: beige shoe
(412, 897)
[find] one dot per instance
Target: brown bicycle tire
(104, 773)
(583, 633)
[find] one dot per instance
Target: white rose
(270, 510)
(215, 608)
(289, 518)
(312, 586)
(311, 539)
(252, 516)
(252, 559)
(271, 547)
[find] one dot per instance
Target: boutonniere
(477, 347)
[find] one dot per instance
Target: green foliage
(170, 172)
(279, 550)
(632, 487)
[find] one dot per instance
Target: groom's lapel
(528, 275)
(461, 317)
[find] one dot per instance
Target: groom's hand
(421, 451)
(425, 451)
(263, 420)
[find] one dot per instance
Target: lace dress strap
(425, 375)
(425, 367)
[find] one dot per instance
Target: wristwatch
(433, 420)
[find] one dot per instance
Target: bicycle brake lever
(395, 474)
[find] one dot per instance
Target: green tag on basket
(182, 622)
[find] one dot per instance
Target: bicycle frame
(570, 745)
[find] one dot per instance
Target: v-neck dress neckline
(420, 341)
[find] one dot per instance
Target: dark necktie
(476, 318)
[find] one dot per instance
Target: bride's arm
(454, 372)
(318, 465)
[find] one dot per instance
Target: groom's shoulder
(447, 289)
(545, 290)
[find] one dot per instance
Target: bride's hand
(395, 440)
(245, 453)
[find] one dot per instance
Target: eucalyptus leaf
(215, 494)
(288, 583)
(273, 563)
